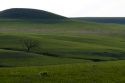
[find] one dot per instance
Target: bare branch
(30, 44)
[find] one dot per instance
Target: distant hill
(29, 14)
(116, 20)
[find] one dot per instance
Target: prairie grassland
(103, 72)
(69, 52)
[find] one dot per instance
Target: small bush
(42, 74)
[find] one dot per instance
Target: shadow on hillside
(5, 65)
(117, 55)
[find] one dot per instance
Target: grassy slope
(68, 38)
(10, 58)
(117, 20)
(71, 42)
(103, 72)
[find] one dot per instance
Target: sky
(71, 8)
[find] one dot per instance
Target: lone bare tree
(30, 44)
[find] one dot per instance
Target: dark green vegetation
(22, 14)
(67, 51)
(117, 20)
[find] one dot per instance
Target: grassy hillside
(69, 51)
(10, 58)
(117, 20)
(76, 40)
(104, 72)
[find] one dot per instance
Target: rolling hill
(30, 14)
(68, 51)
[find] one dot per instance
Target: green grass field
(103, 72)
(70, 52)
